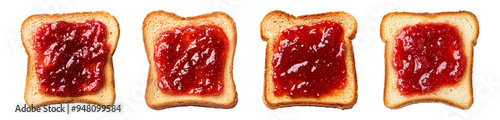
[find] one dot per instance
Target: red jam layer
(70, 57)
(309, 60)
(191, 60)
(428, 56)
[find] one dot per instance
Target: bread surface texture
(105, 95)
(277, 21)
(157, 22)
(459, 94)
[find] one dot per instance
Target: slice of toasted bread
(105, 95)
(459, 95)
(277, 21)
(154, 25)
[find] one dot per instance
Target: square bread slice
(105, 95)
(277, 21)
(459, 95)
(154, 25)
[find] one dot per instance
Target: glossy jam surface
(191, 60)
(308, 60)
(70, 57)
(428, 56)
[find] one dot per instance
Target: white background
(131, 65)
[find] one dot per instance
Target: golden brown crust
(468, 29)
(157, 22)
(433, 16)
(194, 103)
(275, 22)
(306, 17)
(105, 95)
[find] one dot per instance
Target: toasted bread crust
(275, 22)
(469, 38)
(157, 22)
(105, 95)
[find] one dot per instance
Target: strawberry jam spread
(428, 56)
(191, 60)
(309, 60)
(70, 57)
